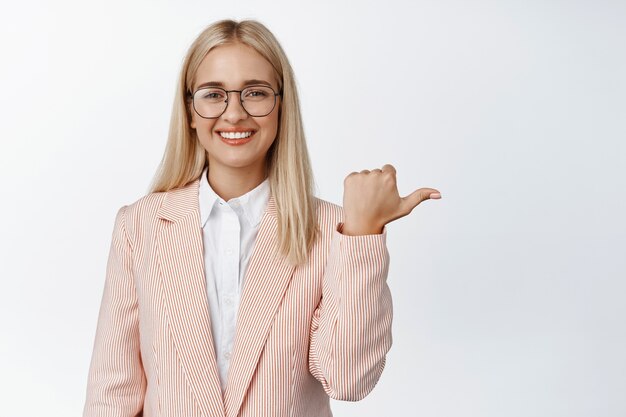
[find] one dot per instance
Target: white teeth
(235, 135)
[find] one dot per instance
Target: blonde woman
(231, 290)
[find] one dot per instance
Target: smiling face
(232, 67)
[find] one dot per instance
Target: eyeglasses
(256, 100)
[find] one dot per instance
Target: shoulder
(147, 205)
(142, 215)
(329, 215)
(138, 215)
(325, 207)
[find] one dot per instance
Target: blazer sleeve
(351, 327)
(116, 382)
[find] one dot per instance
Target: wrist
(357, 229)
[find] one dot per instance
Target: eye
(256, 93)
(211, 94)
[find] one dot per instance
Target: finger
(365, 171)
(417, 196)
(389, 167)
(349, 177)
(376, 170)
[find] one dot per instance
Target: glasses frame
(190, 97)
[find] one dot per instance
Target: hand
(371, 200)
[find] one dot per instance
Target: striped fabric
(304, 333)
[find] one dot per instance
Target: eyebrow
(245, 83)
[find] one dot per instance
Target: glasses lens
(258, 100)
(209, 102)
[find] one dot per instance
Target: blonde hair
(288, 165)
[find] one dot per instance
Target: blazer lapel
(180, 260)
(265, 283)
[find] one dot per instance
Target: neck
(231, 183)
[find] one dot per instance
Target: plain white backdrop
(509, 292)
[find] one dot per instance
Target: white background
(509, 292)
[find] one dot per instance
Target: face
(233, 65)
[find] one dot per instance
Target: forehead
(232, 65)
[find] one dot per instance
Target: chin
(239, 163)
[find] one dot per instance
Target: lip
(236, 129)
(236, 142)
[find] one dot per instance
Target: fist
(371, 200)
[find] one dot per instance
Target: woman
(230, 289)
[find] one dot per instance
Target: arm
(351, 328)
(116, 382)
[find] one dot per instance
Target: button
(228, 301)
(227, 356)
(229, 251)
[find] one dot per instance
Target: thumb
(412, 200)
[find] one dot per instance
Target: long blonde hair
(288, 165)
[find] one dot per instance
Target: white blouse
(229, 230)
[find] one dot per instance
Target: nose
(234, 109)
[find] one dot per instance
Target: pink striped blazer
(303, 333)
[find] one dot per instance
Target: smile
(236, 135)
(237, 138)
